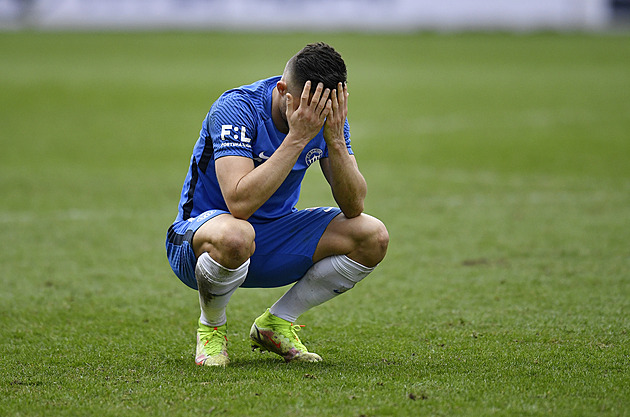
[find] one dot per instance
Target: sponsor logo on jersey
(233, 133)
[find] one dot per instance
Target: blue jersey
(239, 123)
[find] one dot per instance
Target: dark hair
(319, 63)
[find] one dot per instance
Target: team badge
(313, 155)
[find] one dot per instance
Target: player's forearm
(348, 185)
(255, 188)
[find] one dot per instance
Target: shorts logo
(202, 216)
(324, 209)
(313, 155)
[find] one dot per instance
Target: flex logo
(233, 132)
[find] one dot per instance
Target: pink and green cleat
(211, 346)
(271, 333)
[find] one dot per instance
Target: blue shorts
(284, 247)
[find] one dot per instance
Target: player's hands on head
(306, 117)
(336, 119)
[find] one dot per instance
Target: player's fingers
(335, 101)
(317, 95)
(290, 108)
(323, 101)
(341, 93)
(327, 110)
(306, 91)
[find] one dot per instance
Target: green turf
(500, 164)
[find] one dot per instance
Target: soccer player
(237, 225)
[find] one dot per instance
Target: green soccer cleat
(211, 346)
(271, 333)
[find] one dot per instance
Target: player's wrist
(297, 139)
(336, 143)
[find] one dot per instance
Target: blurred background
(388, 15)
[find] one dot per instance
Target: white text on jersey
(227, 130)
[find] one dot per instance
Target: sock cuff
(350, 269)
(213, 271)
(219, 322)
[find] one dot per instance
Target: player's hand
(307, 117)
(333, 129)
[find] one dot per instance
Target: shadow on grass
(265, 362)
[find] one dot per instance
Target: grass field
(500, 164)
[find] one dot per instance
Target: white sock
(322, 282)
(216, 285)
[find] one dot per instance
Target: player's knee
(239, 240)
(235, 244)
(372, 240)
(380, 239)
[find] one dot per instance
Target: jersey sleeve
(232, 124)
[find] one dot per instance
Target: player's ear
(282, 87)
